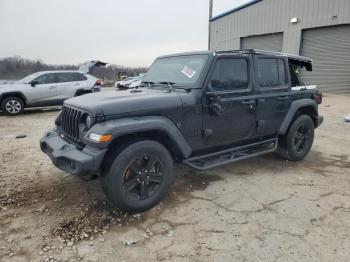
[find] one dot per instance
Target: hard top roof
(294, 59)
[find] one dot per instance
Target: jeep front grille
(71, 118)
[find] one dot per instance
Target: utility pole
(210, 17)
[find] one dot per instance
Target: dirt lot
(263, 209)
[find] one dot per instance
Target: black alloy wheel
(143, 177)
(301, 138)
(137, 175)
(296, 144)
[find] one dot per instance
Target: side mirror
(34, 83)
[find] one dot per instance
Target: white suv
(48, 88)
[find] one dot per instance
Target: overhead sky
(123, 32)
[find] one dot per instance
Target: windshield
(29, 78)
(180, 70)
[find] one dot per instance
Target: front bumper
(69, 158)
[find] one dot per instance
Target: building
(319, 29)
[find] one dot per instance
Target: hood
(11, 86)
(128, 101)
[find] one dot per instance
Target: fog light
(100, 138)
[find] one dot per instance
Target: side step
(232, 155)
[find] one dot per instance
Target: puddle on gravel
(319, 162)
(191, 180)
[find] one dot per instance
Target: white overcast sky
(123, 32)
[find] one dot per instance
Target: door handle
(283, 98)
(52, 87)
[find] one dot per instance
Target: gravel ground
(262, 209)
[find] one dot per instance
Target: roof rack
(263, 52)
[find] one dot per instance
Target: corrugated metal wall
(269, 42)
(271, 16)
(329, 48)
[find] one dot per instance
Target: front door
(43, 93)
(229, 104)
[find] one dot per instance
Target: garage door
(329, 48)
(269, 42)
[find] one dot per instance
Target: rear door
(229, 103)
(69, 84)
(273, 89)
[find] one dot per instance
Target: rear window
(271, 72)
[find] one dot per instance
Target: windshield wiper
(149, 83)
(170, 84)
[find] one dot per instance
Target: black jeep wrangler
(203, 109)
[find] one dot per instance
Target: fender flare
(295, 106)
(132, 125)
(7, 94)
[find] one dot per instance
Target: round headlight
(88, 121)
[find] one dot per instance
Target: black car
(202, 109)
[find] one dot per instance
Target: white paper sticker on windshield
(188, 71)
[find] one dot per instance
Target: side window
(78, 77)
(271, 72)
(295, 81)
(230, 74)
(63, 77)
(46, 79)
(69, 77)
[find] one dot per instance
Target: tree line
(14, 68)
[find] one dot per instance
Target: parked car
(48, 88)
(121, 83)
(130, 82)
(202, 109)
(135, 83)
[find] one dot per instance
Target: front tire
(139, 177)
(12, 106)
(296, 144)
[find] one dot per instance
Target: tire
(139, 176)
(12, 106)
(296, 144)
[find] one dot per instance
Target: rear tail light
(318, 98)
(99, 82)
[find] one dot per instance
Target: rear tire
(296, 144)
(12, 106)
(139, 177)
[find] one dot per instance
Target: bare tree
(16, 67)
